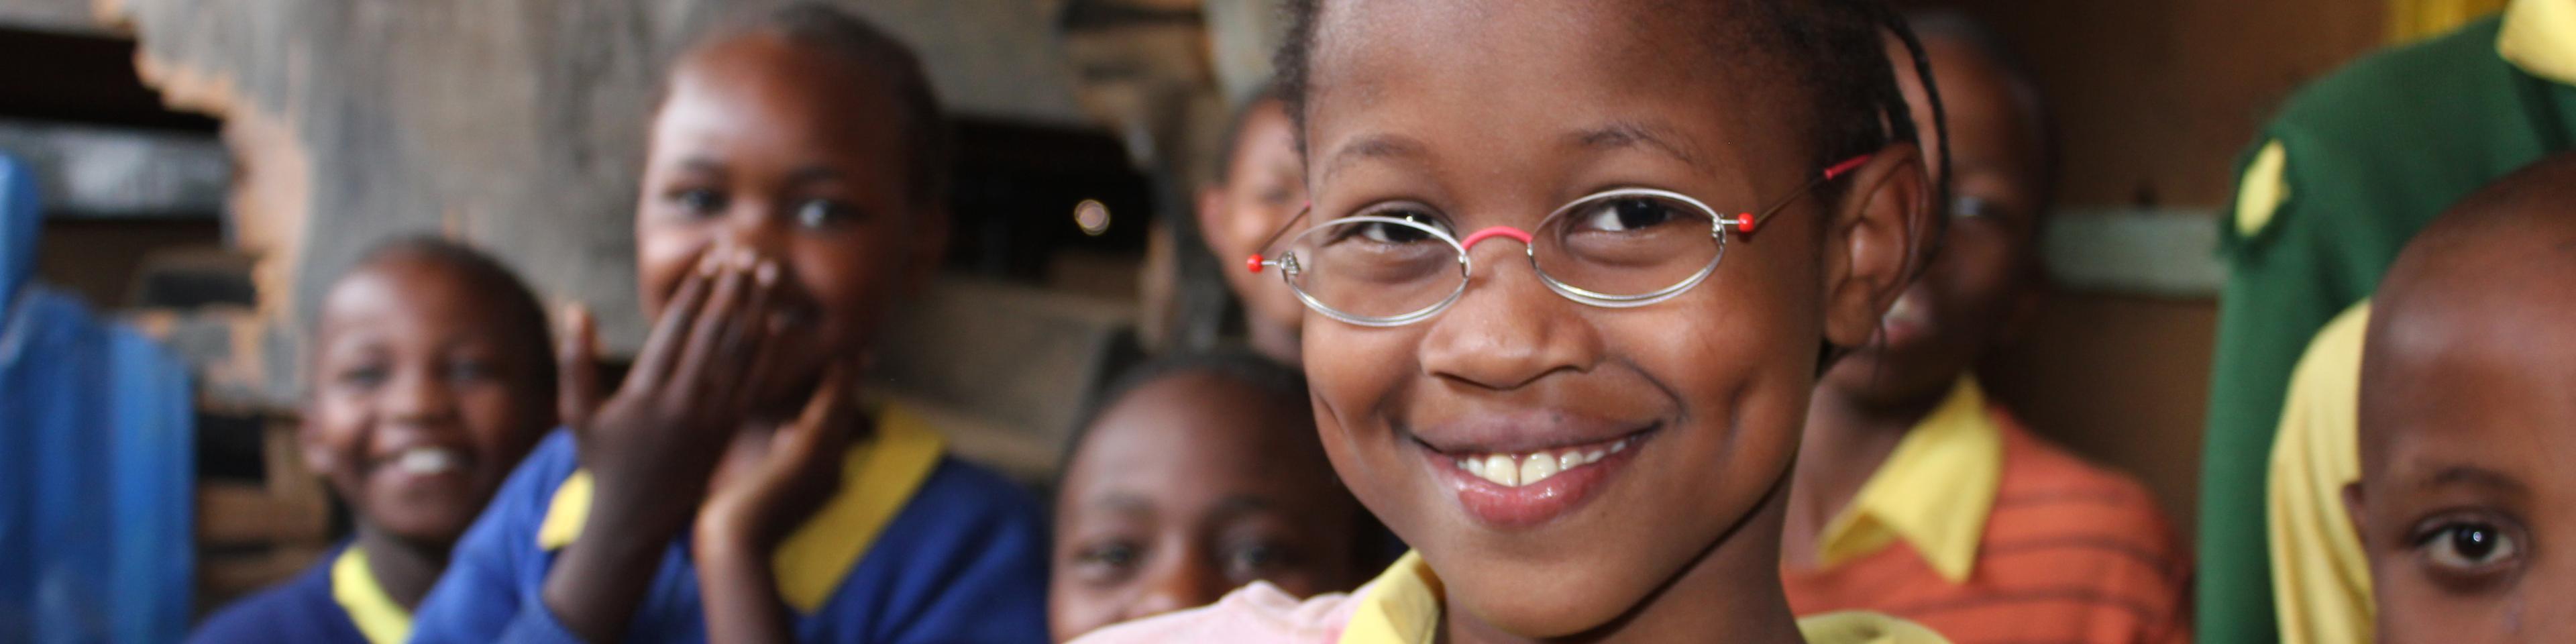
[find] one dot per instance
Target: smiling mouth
(427, 461)
(1516, 489)
(1515, 470)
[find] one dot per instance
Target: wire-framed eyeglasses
(1619, 248)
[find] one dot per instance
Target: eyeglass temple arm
(1256, 262)
(1745, 223)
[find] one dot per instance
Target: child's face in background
(1980, 280)
(1264, 186)
(423, 397)
(1498, 114)
(794, 155)
(1187, 488)
(2467, 503)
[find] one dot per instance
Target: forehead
(1514, 72)
(1989, 119)
(765, 89)
(2491, 388)
(1201, 430)
(409, 296)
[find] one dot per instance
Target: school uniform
(2320, 576)
(914, 547)
(2352, 167)
(1402, 606)
(336, 601)
(1981, 531)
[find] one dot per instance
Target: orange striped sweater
(2071, 553)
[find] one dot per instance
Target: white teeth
(428, 460)
(1537, 468)
(1501, 469)
(1514, 470)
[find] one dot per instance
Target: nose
(1185, 583)
(1508, 329)
(757, 225)
(421, 396)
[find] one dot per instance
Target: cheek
(1353, 373)
(850, 277)
(500, 423)
(1975, 266)
(1075, 606)
(663, 255)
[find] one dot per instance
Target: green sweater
(2373, 153)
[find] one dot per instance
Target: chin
(1566, 595)
(1541, 613)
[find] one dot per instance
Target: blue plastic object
(97, 460)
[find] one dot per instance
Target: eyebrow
(1122, 503)
(809, 174)
(1374, 146)
(2476, 477)
(1631, 134)
(702, 164)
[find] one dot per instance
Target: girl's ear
(1880, 238)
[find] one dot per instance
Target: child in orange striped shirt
(1917, 497)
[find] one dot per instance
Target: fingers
(764, 342)
(710, 366)
(577, 368)
(827, 424)
(653, 362)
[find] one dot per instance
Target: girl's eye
(1257, 559)
(1108, 561)
(699, 202)
(1974, 207)
(2468, 546)
(1392, 233)
(1276, 197)
(469, 370)
(363, 376)
(1627, 214)
(821, 213)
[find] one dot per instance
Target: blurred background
(207, 166)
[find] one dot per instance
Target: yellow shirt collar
(1934, 491)
(1402, 606)
(354, 587)
(2539, 36)
(877, 477)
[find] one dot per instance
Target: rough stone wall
(514, 124)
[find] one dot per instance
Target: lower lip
(1529, 506)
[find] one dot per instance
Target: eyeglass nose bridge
(1491, 232)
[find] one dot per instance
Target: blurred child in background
(2352, 166)
(1584, 427)
(1261, 182)
(431, 376)
(2466, 504)
(1917, 496)
(734, 488)
(1197, 475)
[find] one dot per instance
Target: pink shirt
(1402, 606)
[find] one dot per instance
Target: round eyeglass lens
(1375, 269)
(1629, 245)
